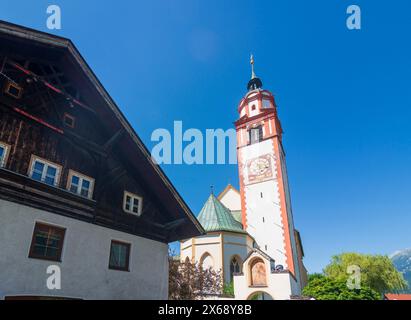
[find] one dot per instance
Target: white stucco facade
(262, 206)
(231, 199)
(280, 287)
(196, 249)
(84, 262)
(222, 247)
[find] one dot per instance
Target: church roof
(237, 214)
(214, 216)
(258, 251)
(225, 191)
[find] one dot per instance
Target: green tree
(377, 271)
(228, 289)
(321, 287)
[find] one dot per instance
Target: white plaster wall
(85, 258)
(210, 243)
(269, 231)
(256, 110)
(232, 200)
(234, 245)
(186, 250)
(290, 220)
(280, 286)
(212, 246)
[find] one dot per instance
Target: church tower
(265, 196)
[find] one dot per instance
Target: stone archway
(260, 295)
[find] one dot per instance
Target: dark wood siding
(56, 80)
(36, 127)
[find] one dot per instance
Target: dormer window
(4, 151)
(256, 134)
(132, 203)
(13, 90)
(44, 171)
(80, 184)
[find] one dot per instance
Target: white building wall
(291, 220)
(232, 200)
(264, 221)
(280, 286)
(85, 257)
(221, 252)
(234, 245)
(186, 249)
(207, 244)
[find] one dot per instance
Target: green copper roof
(237, 215)
(216, 217)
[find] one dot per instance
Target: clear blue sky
(344, 98)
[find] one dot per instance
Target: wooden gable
(63, 114)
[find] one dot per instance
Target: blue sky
(344, 98)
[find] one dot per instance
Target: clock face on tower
(259, 166)
(259, 169)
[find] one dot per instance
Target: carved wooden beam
(49, 85)
(174, 224)
(87, 143)
(110, 178)
(108, 146)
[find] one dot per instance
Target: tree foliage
(377, 271)
(321, 287)
(228, 289)
(189, 281)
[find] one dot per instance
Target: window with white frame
(80, 184)
(4, 150)
(44, 171)
(132, 203)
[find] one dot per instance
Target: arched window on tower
(256, 134)
(235, 267)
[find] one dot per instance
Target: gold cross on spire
(252, 67)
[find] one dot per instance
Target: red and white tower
(265, 196)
